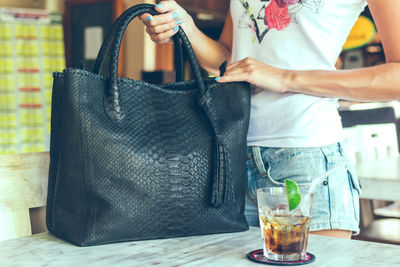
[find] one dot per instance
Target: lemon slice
(293, 194)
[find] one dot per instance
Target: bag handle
(104, 52)
(180, 36)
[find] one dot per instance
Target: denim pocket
(354, 179)
(356, 191)
(300, 166)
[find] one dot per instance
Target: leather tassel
(222, 193)
(228, 188)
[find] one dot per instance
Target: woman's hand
(258, 74)
(162, 27)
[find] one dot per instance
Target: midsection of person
(295, 35)
(275, 36)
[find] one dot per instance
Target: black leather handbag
(130, 160)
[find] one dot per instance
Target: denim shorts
(336, 197)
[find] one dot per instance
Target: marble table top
(208, 250)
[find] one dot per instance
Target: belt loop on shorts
(258, 160)
(261, 167)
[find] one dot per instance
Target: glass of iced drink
(284, 227)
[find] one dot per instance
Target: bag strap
(104, 52)
(118, 32)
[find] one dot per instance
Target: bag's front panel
(150, 173)
(146, 176)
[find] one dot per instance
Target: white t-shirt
(296, 35)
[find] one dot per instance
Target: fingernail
(176, 28)
(179, 22)
(217, 78)
(149, 18)
(175, 15)
(159, 5)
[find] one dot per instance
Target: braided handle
(117, 34)
(104, 52)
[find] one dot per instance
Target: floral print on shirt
(274, 14)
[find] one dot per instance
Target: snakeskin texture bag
(131, 160)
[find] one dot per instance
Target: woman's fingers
(247, 62)
(145, 17)
(232, 66)
(257, 74)
(233, 77)
(162, 37)
(162, 27)
(164, 18)
(167, 5)
(164, 22)
(242, 70)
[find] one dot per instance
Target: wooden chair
(23, 192)
(374, 135)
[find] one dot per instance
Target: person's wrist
(289, 81)
(189, 26)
